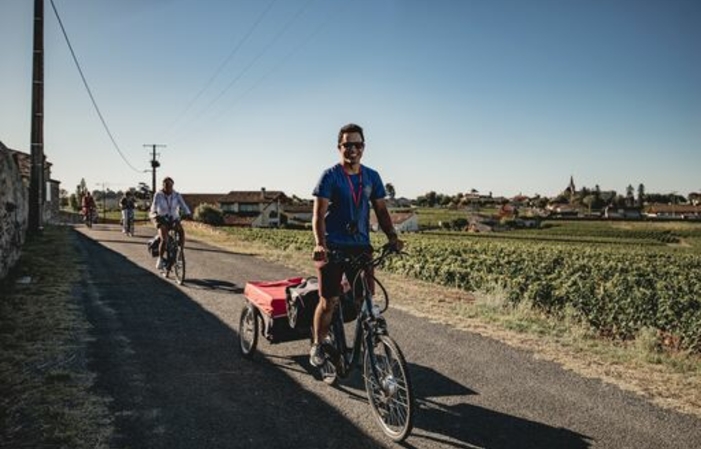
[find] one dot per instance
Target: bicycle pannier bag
(301, 303)
(153, 246)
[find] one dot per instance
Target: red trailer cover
(269, 296)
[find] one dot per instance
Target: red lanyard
(356, 197)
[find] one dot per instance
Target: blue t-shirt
(334, 186)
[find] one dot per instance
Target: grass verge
(671, 380)
(45, 397)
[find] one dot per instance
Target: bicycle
(174, 255)
(385, 371)
(89, 216)
(128, 222)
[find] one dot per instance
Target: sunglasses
(350, 145)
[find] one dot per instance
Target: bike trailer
(270, 298)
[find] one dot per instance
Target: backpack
(302, 300)
(301, 303)
(153, 245)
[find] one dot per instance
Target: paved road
(168, 357)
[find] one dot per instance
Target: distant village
(482, 212)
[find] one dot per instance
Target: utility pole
(154, 165)
(36, 180)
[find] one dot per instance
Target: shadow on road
(174, 375)
(214, 284)
(189, 246)
(465, 425)
(460, 425)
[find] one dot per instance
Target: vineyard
(616, 279)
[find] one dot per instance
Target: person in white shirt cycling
(167, 207)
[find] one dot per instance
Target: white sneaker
(316, 355)
(160, 264)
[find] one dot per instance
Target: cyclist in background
(127, 205)
(88, 207)
(167, 208)
(341, 221)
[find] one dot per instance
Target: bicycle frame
(387, 380)
(128, 220)
(367, 324)
(173, 252)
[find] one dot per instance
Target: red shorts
(331, 274)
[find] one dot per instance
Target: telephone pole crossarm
(154, 164)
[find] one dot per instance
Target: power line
(262, 53)
(87, 87)
(224, 63)
(270, 44)
(281, 62)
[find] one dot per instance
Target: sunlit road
(168, 357)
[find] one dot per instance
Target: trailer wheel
(248, 331)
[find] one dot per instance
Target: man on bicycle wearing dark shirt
(127, 204)
(341, 221)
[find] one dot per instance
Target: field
(621, 278)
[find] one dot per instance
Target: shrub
(209, 214)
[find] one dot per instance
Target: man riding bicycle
(341, 221)
(166, 209)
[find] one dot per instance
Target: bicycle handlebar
(363, 261)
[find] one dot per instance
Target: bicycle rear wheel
(390, 394)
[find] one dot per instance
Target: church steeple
(571, 188)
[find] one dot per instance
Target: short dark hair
(350, 128)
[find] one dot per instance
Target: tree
(588, 201)
(390, 190)
(540, 202)
(63, 197)
(460, 224)
(641, 194)
(630, 199)
(81, 188)
(74, 202)
(431, 198)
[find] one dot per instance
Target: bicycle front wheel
(389, 388)
(179, 265)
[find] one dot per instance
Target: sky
(502, 96)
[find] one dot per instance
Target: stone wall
(14, 209)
